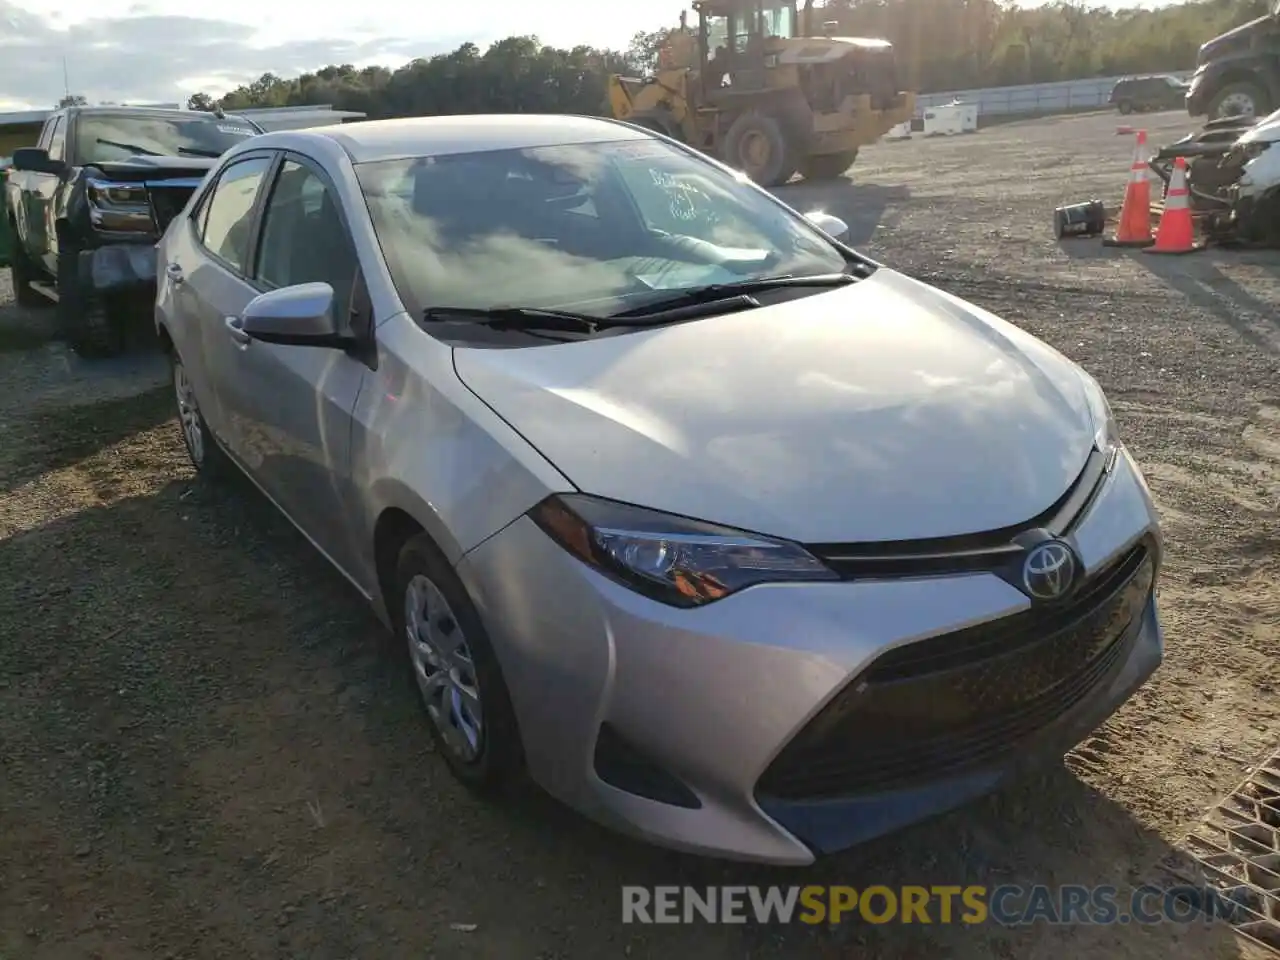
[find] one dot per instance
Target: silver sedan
(727, 535)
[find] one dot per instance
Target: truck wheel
(1239, 100)
(756, 145)
(827, 166)
(86, 325)
(1126, 107)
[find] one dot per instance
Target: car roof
(372, 140)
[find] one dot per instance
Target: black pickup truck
(88, 204)
(1238, 73)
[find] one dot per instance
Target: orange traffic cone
(1134, 228)
(1176, 233)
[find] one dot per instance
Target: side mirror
(299, 316)
(37, 160)
(833, 227)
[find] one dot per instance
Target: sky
(165, 50)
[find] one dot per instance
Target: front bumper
(709, 698)
(1196, 101)
(118, 268)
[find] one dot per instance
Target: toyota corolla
(723, 533)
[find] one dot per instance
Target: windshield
(779, 20)
(103, 138)
(595, 228)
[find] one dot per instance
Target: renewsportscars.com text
(939, 904)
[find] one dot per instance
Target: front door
(294, 404)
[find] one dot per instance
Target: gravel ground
(206, 748)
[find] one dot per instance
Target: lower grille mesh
(956, 701)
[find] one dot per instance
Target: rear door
(211, 271)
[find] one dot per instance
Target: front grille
(994, 551)
(956, 701)
(167, 203)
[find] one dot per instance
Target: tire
(444, 614)
(662, 123)
(21, 274)
(756, 145)
(84, 321)
(1126, 107)
(827, 166)
(1238, 94)
(206, 456)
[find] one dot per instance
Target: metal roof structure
(269, 118)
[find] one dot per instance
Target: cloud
(163, 58)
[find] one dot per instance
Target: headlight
(1106, 435)
(119, 206)
(681, 562)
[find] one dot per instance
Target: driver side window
(304, 239)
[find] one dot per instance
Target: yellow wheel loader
(750, 86)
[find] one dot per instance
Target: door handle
(174, 272)
(238, 335)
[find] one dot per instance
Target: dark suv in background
(1141, 94)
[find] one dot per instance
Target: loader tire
(757, 145)
(827, 166)
(661, 123)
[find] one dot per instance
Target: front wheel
(455, 670)
(1126, 107)
(827, 166)
(757, 145)
(1239, 100)
(83, 319)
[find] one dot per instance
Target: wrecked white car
(1233, 166)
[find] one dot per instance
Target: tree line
(941, 45)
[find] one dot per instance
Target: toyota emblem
(1049, 570)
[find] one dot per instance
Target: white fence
(1043, 98)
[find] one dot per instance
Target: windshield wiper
(721, 291)
(516, 318)
(539, 318)
(197, 152)
(132, 147)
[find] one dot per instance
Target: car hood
(1266, 130)
(885, 410)
(1236, 39)
(156, 168)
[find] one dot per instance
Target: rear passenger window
(228, 215)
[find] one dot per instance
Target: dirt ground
(207, 750)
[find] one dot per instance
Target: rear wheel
(756, 145)
(206, 456)
(827, 166)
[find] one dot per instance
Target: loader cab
(734, 43)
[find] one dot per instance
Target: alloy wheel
(188, 413)
(443, 668)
